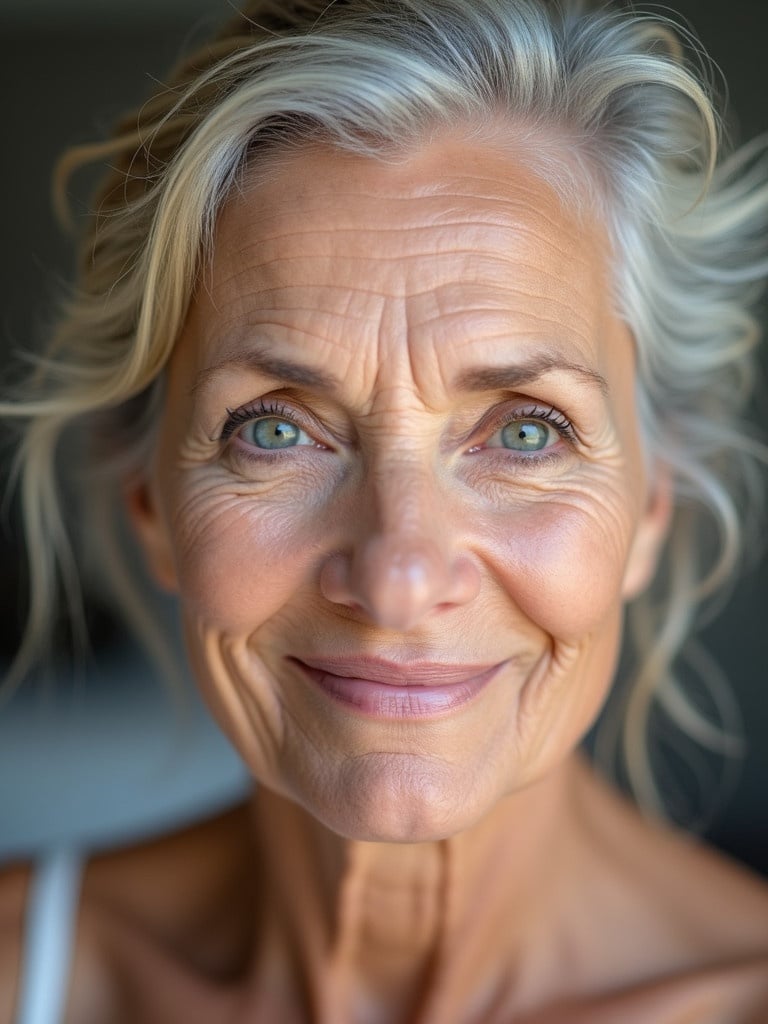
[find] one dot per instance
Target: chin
(397, 798)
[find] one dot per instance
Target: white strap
(49, 937)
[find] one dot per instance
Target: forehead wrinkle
(389, 353)
(275, 220)
(448, 202)
(392, 364)
(505, 253)
(484, 272)
(507, 343)
(493, 190)
(442, 239)
(516, 247)
(437, 311)
(426, 255)
(280, 276)
(522, 231)
(502, 312)
(383, 226)
(347, 293)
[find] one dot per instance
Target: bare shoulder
(165, 892)
(692, 923)
(87, 991)
(718, 994)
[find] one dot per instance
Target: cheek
(562, 562)
(240, 558)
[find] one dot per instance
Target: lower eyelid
(508, 461)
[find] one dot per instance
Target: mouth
(396, 691)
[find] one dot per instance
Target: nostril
(335, 582)
(465, 581)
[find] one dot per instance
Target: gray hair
(375, 77)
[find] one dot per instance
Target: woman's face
(399, 485)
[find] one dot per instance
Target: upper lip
(412, 673)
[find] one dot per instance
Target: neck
(376, 932)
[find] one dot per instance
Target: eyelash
(239, 417)
(545, 414)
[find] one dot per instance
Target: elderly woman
(413, 335)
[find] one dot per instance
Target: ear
(150, 530)
(649, 537)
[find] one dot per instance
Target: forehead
(454, 243)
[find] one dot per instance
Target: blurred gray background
(70, 67)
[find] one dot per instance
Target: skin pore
(400, 442)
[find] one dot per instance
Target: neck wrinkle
(347, 928)
(391, 905)
(431, 1008)
(301, 874)
(424, 933)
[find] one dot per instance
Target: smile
(391, 690)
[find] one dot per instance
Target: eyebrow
(516, 375)
(258, 361)
(481, 378)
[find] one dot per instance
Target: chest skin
(195, 928)
(151, 987)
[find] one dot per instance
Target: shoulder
(734, 993)
(163, 893)
(692, 924)
(85, 999)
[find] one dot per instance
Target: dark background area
(69, 69)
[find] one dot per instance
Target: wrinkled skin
(453, 475)
(402, 524)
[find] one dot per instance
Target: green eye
(525, 436)
(272, 432)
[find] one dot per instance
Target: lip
(391, 690)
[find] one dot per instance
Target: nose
(404, 564)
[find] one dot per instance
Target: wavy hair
(374, 77)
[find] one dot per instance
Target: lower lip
(382, 700)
